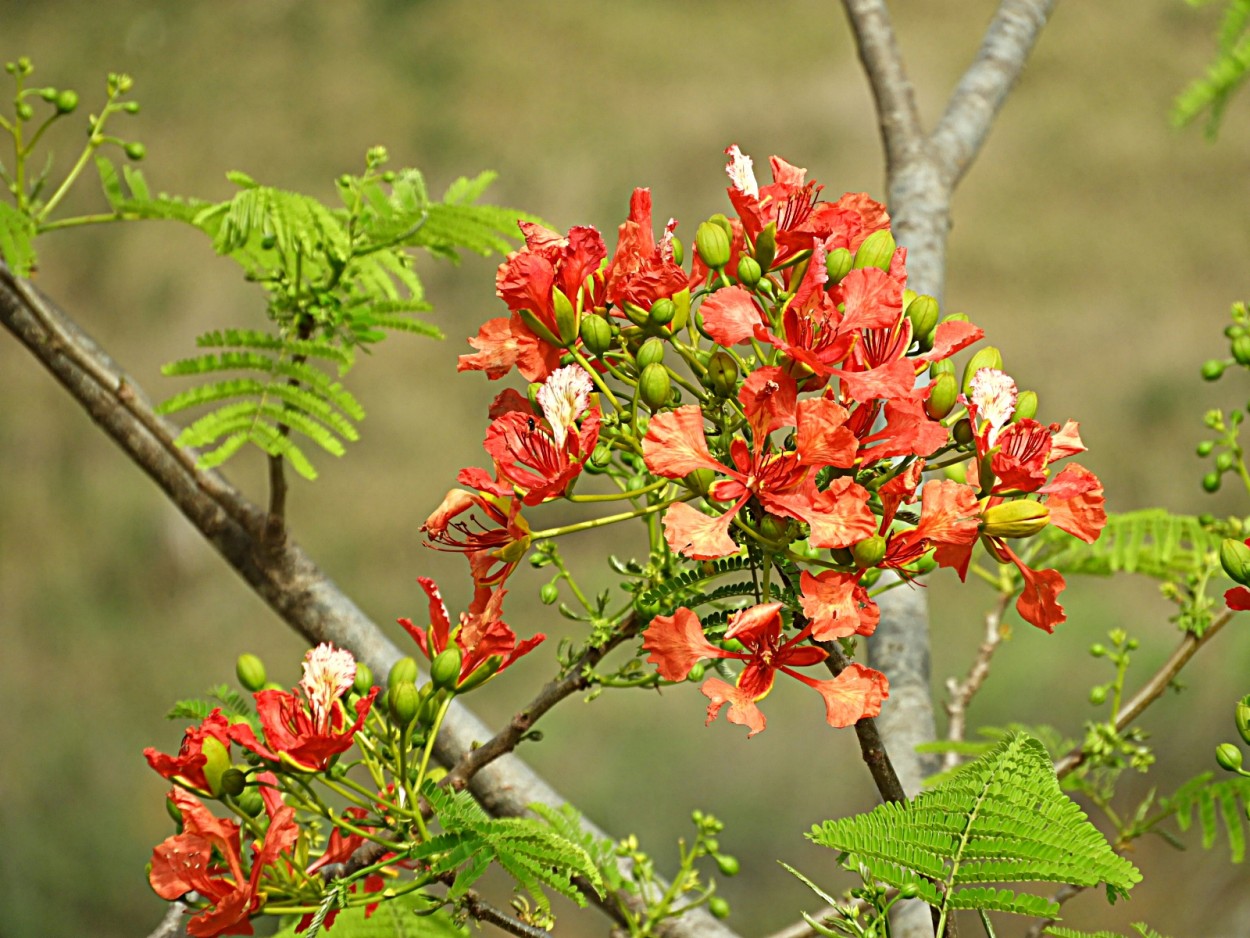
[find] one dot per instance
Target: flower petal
(742, 709)
(693, 534)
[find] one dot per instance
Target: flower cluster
(777, 402)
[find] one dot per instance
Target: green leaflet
(1142, 930)
(395, 918)
(1003, 819)
(1153, 542)
(17, 231)
(1224, 75)
(1229, 798)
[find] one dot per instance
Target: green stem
(602, 522)
(619, 496)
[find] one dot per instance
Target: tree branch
(962, 692)
(980, 94)
(283, 575)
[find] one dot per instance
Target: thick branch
(980, 94)
(283, 576)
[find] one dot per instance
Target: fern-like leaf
(1141, 928)
(17, 232)
(1153, 542)
(1228, 799)
(1003, 819)
(411, 915)
(1224, 75)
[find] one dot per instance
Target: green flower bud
(24, 111)
(728, 865)
(1098, 695)
(722, 374)
(1235, 559)
(481, 674)
(713, 244)
(445, 669)
(602, 455)
(696, 672)
(403, 671)
(877, 250)
(404, 701)
(681, 310)
(1211, 482)
(679, 251)
(961, 432)
(131, 107)
(765, 247)
(172, 810)
(1212, 369)
(718, 907)
(1242, 716)
(662, 312)
(1205, 448)
(988, 357)
(250, 802)
(549, 593)
(250, 671)
(923, 313)
(942, 397)
(943, 367)
(364, 679)
(775, 528)
(135, 151)
(869, 552)
(838, 264)
(908, 891)
(66, 102)
(217, 760)
(49, 94)
(567, 317)
(655, 386)
(1241, 349)
(1224, 461)
(700, 481)
(1228, 756)
(1026, 406)
(596, 334)
(233, 781)
(651, 352)
(1020, 518)
(1098, 650)
(428, 710)
(749, 272)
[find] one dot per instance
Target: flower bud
(713, 244)
(216, 762)
(1211, 482)
(662, 312)
(66, 102)
(961, 432)
(679, 251)
(775, 528)
(1098, 695)
(596, 334)
(838, 264)
(749, 271)
(1235, 559)
(249, 801)
(696, 672)
(403, 671)
(481, 674)
(1228, 756)
(923, 313)
(718, 907)
(549, 593)
(655, 386)
(364, 679)
(728, 865)
(445, 669)
(943, 367)
(1020, 518)
(250, 671)
(877, 250)
(24, 111)
(765, 247)
(428, 711)
(942, 397)
(404, 701)
(988, 357)
(1212, 369)
(135, 151)
(869, 552)
(651, 352)
(700, 481)
(1242, 717)
(233, 781)
(681, 310)
(1241, 349)
(1026, 406)
(722, 374)
(567, 319)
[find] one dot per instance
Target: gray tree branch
(282, 575)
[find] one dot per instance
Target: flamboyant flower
(782, 482)
(538, 460)
(205, 751)
(494, 547)
(339, 849)
(308, 728)
(206, 859)
(642, 270)
(505, 343)
(487, 645)
(677, 643)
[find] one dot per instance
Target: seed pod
(775, 528)
(942, 397)
(923, 313)
(651, 352)
(364, 679)
(445, 669)
(250, 671)
(662, 312)
(766, 247)
(1228, 756)
(655, 386)
(877, 250)
(988, 357)
(596, 334)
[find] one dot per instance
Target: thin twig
(962, 692)
(1152, 689)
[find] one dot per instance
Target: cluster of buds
(775, 399)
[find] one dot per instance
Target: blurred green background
(1097, 247)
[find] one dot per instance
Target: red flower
(505, 343)
(339, 849)
(677, 643)
(307, 730)
(188, 767)
(782, 482)
(1237, 598)
(184, 863)
(493, 551)
(484, 640)
(643, 271)
(540, 460)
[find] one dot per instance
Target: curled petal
(742, 708)
(730, 316)
(1076, 502)
(837, 605)
(677, 643)
(821, 438)
(854, 694)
